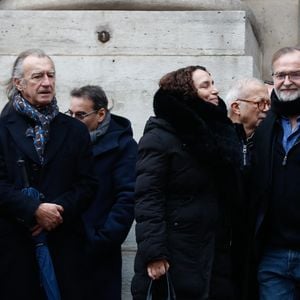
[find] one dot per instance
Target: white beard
(287, 96)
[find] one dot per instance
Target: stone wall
(142, 47)
(277, 24)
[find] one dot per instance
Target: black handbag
(170, 289)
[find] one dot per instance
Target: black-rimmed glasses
(79, 115)
(261, 105)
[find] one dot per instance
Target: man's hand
(157, 268)
(48, 215)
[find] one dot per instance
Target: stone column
(278, 26)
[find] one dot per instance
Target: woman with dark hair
(185, 200)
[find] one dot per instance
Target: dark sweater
(283, 217)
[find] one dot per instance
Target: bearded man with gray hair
(277, 183)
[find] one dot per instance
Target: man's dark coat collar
(110, 140)
(17, 126)
(285, 108)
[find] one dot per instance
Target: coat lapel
(17, 127)
(265, 147)
(104, 145)
(109, 141)
(58, 133)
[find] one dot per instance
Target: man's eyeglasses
(79, 115)
(280, 76)
(261, 105)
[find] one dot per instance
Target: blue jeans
(279, 275)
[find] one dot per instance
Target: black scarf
(202, 126)
(285, 108)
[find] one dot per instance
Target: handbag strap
(170, 289)
(149, 292)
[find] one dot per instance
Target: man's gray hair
(239, 89)
(283, 51)
(18, 71)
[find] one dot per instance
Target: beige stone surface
(124, 4)
(130, 81)
(278, 26)
(131, 33)
(139, 53)
(276, 21)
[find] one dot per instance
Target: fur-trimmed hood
(203, 126)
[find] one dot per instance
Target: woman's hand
(157, 268)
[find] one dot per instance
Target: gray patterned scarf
(42, 118)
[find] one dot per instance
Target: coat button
(35, 167)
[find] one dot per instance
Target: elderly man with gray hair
(247, 103)
(56, 152)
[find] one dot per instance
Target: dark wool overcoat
(65, 179)
(185, 208)
(275, 176)
(110, 216)
(260, 184)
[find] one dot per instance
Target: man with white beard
(277, 184)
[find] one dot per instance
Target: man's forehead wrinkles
(40, 71)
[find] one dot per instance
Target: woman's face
(205, 87)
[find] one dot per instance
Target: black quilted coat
(185, 207)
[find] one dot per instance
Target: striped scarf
(42, 118)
